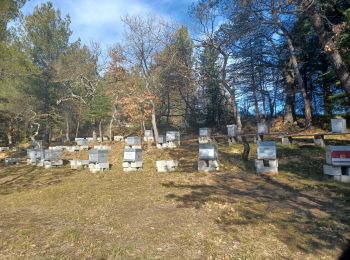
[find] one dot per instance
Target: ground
(232, 214)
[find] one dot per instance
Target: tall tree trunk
(289, 114)
(295, 66)
(67, 129)
(339, 66)
(100, 130)
(327, 105)
(77, 129)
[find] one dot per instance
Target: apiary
(132, 159)
(133, 142)
(263, 128)
(208, 158)
(167, 166)
(172, 139)
(338, 125)
(204, 135)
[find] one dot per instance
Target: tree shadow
(20, 178)
(306, 219)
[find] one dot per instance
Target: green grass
(233, 214)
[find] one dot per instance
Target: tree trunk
(295, 66)
(339, 66)
(100, 130)
(67, 130)
(154, 122)
(289, 115)
(9, 138)
(77, 129)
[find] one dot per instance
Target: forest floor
(232, 214)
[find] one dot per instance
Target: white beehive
(134, 141)
(132, 155)
(231, 130)
(266, 150)
(34, 155)
(53, 154)
(3, 149)
(12, 161)
(207, 152)
(263, 128)
(338, 125)
(82, 142)
(338, 155)
(148, 133)
(98, 156)
(172, 136)
(118, 138)
(204, 132)
(102, 147)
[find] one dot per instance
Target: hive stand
(167, 166)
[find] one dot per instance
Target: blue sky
(99, 20)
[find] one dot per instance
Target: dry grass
(235, 214)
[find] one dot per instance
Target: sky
(100, 20)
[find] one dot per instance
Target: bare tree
(144, 38)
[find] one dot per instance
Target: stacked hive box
(133, 142)
(266, 161)
(204, 135)
(132, 159)
(12, 161)
(172, 139)
(35, 156)
(337, 165)
(232, 134)
(118, 138)
(263, 128)
(167, 166)
(3, 149)
(102, 147)
(148, 136)
(161, 142)
(338, 125)
(52, 158)
(98, 160)
(82, 143)
(208, 158)
(78, 164)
